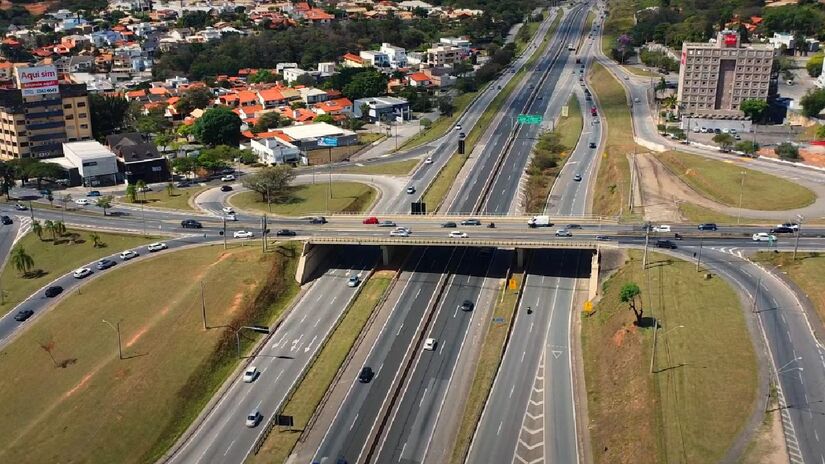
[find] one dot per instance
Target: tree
(747, 147)
(185, 165)
(37, 229)
(108, 114)
(366, 84)
(725, 141)
(60, 228)
(661, 86)
(170, 189)
(21, 260)
(813, 102)
(49, 227)
(131, 192)
(95, 238)
(305, 79)
(445, 106)
(425, 123)
(787, 151)
(269, 120)
(327, 118)
(248, 157)
(263, 76)
(196, 97)
(218, 126)
(104, 202)
(8, 172)
(814, 65)
(754, 109)
(270, 182)
(820, 132)
(628, 294)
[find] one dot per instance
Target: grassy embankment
(704, 383)
(723, 182)
(318, 378)
(806, 272)
(179, 199)
(491, 352)
(94, 407)
(613, 179)
(395, 168)
(347, 197)
(325, 155)
(53, 259)
(438, 189)
(441, 125)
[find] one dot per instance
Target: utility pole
(143, 217)
(699, 258)
(224, 232)
(263, 233)
(203, 308)
(741, 191)
(116, 329)
(31, 210)
(798, 233)
(647, 240)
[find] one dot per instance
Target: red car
(371, 220)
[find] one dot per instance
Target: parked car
(53, 291)
(190, 224)
(228, 178)
(708, 226)
(105, 263)
(448, 225)
(353, 281)
(366, 374)
(386, 224)
(466, 305)
(410, 190)
(253, 418)
(763, 237)
(661, 228)
(250, 374)
(6, 220)
(429, 344)
(471, 222)
(22, 315)
(82, 202)
(226, 188)
(145, 189)
(370, 220)
(242, 234)
(563, 233)
(318, 220)
(182, 184)
(665, 244)
(127, 255)
(157, 246)
(457, 234)
(82, 273)
(93, 193)
(285, 233)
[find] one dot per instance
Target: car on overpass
(386, 224)
(448, 225)
(457, 234)
(318, 220)
(471, 222)
(400, 232)
(370, 220)
(285, 233)
(563, 233)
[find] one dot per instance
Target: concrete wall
(312, 256)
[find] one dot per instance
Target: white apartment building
(397, 55)
(443, 55)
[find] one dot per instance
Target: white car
(81, 273)
(429, 344)
(82, 202)
(429, 160)
(228, 210)
(696, 129)
(353, 281)
(563, 233)
(231, 217)
(157, 246)
(228, 178)
(458, 127)
(457, 234)
(250, 374)
(253, 418)
(127, 255)
(661, 228)
(400, 232)
(242, 234)
(763, 237)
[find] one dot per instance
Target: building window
(69, 117)
(24, 144)
(67, 106)
(81, 104)
(84, 126)
(82, 115)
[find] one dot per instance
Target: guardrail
(547, 242)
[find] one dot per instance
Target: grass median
(488, 362)
(347, 197)
(394, 168)
(613, 179)
(179, 199)
(53, 258)
(728, 183)
(94, 407)
(318, 378)
(703, 388)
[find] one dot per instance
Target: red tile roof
(355, 58)
(317, 14)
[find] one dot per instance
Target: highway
(221, 436)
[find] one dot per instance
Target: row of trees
(25, 169)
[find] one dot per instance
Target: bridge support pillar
(593, 287)
(520, 252)
(386, 254)
(312, 256)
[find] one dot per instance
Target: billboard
(37, 80)
(730, 40)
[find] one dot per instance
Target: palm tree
(21, 260)
(170, 189)
(104, 202)
(141, 186)
(95, 238)
(49, 227)
(60, 228)
(131, 193)
(670, 101)
(37, 229)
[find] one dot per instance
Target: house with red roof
(419, 79)
(271, 97)
(351, 60)
(333, 107)
(318, 16)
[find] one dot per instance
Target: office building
(716, 77)
(40, 114)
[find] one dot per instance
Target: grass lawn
(570, 128)
(441, 125)
(439, 187)
(347, 197)
(315, 383)
(95, 407)
(394, 168)
(635, 70)
(702, 392)
(806, 272)
(722, 182)
(613, 179)
(588, 22)
(488, 362)
(51, 261)
(160, 199)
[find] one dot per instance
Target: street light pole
(117, 330)
(741, 191)
(224, 232)
(203, 308)
(647, 240)
(798, 233)
(143, 218)
(653, 353)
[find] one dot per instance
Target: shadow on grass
(35, 274)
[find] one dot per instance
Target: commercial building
(138, 159)
(40, 114)
(716, 77)
(383, 109)
(95, 164)
(274, 150)
(443, 55)
(309, 136)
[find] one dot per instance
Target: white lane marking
(229, 447)
(353, 422)
(423, 395)
(399, 329)
(499, 427)
(401, 455)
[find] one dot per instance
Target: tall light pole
(203, 308)
(647, 240)
(758, 288)
(655, 331)
(116, 328)
(143, 217)
(798, 233)
(741, 191)
(699, 257)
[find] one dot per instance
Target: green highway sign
(529, 119)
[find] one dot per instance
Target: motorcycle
(492, 225)
(677, 237)
(529, 310)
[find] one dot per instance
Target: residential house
(138, 159)
(443, 55)
(318, 16)
(334, 107)
(419, 79)
(397, 55)
(271, 97)
(375, 58)
(292, 74)
(353, 61)
(459, 42)
(383, 109)
(311, 95)
(275, 148)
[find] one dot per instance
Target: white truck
(539, 221)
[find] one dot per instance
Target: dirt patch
(768, 443)
(35, 9)
(813, 156)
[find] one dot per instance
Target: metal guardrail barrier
(503, 243)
